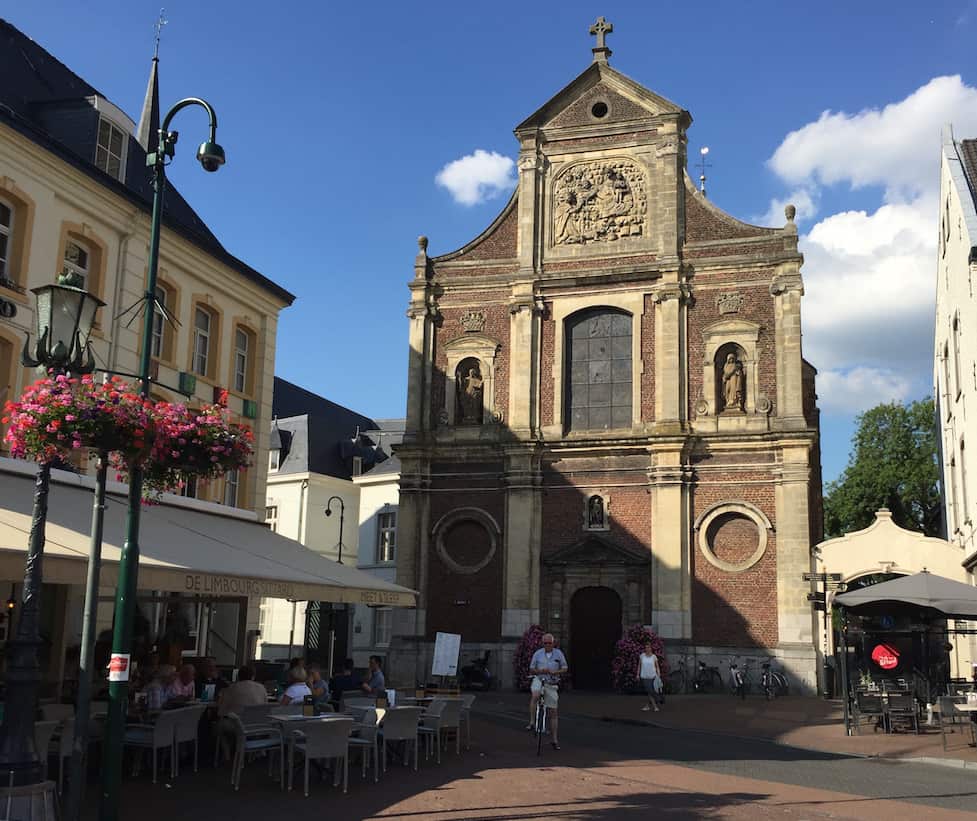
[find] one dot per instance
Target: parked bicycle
(739, 681)
(773, 682)
(677, 680)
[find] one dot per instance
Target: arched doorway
(595, 627)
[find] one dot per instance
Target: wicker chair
(443, 716)
(322, 739)
(400, 724)
(254, 740)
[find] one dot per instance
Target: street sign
(822, 577)
(816, 597)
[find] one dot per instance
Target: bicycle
(737, 679)
(707, 679)
(774, 682)
(677, 680)
(539, 719)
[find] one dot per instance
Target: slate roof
(322, 435)
(49, 104)
(389, 432)
(968, 156)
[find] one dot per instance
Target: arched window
(470, 385)
(6, 240)
(599, 389)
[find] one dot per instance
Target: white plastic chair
(254, 740)
(400, 724)
(186, 731)
(443, 715)
(322, 739)
(43, 732)
(155, 737)
(369, 733)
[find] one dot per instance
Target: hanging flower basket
(59, 415)
(202, 444)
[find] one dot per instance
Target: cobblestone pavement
(605, 770)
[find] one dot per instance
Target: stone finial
(600, 30)
(421, 260)
(790, 212)
(422, 244)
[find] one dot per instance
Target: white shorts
(551, 696)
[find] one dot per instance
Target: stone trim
(463, 514)
(744, 509)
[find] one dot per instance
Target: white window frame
(159, 324)
(383, 546)
(201, 340)
(109, 154)
(232, 487)
(274, 460)
(241, 360)
(271, 517)
(382, 633)
(67, 266)
(7, 232)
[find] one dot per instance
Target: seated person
(211, 676)
(375, 685)
(245, 692)
(156, 691)
(183, 688)
(317, 685)
(347, 681)
(297, 689)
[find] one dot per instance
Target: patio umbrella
(922, 589)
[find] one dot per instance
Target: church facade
(609, 418)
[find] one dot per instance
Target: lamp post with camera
(211, 157)
(65, 315)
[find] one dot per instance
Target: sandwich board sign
(446, 649)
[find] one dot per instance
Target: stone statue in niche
(596, 513)
(733, 384)
(470, 386)
(598, 202)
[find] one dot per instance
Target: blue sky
(337, 119)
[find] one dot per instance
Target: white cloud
(803, 199)
(859, 389)
(869, 274)
(477, 177)
(896, 147)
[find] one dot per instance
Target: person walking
(649, 672)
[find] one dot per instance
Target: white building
(955, 367)
(379, 490)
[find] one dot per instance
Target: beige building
(955, 366)
(75, 195)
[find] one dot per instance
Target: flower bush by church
(531, 641)
(628, 648)
(60, 415)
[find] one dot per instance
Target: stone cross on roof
(601, 29)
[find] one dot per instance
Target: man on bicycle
(548, 664)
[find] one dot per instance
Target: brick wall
(735, 608)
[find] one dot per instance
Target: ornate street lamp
(211, 157)
(65, 314)
(342, 515)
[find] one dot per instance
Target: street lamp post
(342, 515)
(65, 314)
(211, 157)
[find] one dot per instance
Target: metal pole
(342, 515)
(844, 668)
(125, 598)
(18, 754)
(86, 665)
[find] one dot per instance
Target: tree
(892, 464)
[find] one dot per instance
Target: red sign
(886, 656)
(119, 667)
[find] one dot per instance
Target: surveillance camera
(211, 156)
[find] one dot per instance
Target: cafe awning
(185, 549)
(924, 589)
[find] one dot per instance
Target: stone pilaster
(422, 313)
(671, 584)
(671, 374)
(787, 289)
(524, 336)
(530, 204)
(521, 593)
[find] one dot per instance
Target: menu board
(446, 648)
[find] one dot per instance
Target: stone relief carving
(470, 383)
(599, 201)
(729, 303)
(473, 322)
(733, 383)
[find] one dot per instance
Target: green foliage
(892, 464)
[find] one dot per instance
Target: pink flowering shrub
(59, 415)
(631, 645)
(530, 642)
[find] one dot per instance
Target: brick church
(609, 419)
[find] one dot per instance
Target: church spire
(149, 119)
